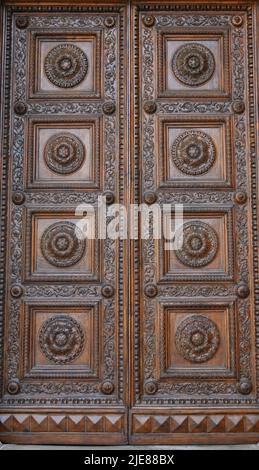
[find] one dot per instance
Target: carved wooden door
(114, 341)
(64, 298)
(195, 370)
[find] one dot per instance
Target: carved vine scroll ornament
(197, 338)
(66, 65)
(61, 339)
(193, 64)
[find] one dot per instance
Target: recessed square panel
(60, 339)
(66, 65)
(63, 154)
(57, 249)
(201, 250)
(197, 339)
(196, 152)
(193, 63)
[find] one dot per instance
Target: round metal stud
(109, 107)
(22, 22)
(151, 387)
(148, 20)
(13, 387)
(240, 197)
(243, 290)
(245, 386)
(109, 197)
(107, 387)
(237, 20)
(107, 290)
(18, 198)
(150, 107)
(150, 290)
(109, 21)
(16, 291)
(150, 197)
(20, 108)
(238, 107)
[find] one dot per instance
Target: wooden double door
(122, 340)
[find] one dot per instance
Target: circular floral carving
(199, 244)
(193, 64)
(61, 339)
(66, 65)
(197, 338)
(193, 152)
(64, 153)
(62, 244)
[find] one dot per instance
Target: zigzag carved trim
(61, 423)
(196, 423)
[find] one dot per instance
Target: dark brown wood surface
(105, 341)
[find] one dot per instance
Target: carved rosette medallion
(64, 153)
(199, 244)
(193, 152)
(66, 65)
(62, 244)
(61, 339)
(193, 64)
(197, 338)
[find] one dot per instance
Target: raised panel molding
(211, 48)
(48, 173)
